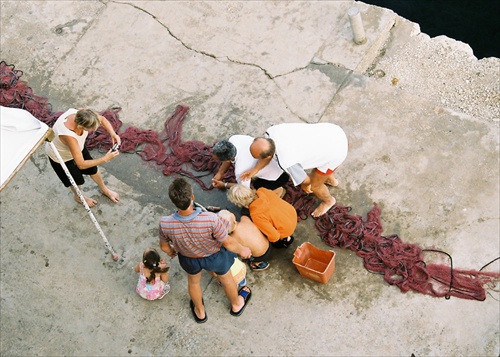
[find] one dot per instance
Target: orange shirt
(275, 217)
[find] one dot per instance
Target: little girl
(153, 277)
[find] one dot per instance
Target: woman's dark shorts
(74, 170)
(219, 262)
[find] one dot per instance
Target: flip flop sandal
(196, 318)
(259, 266)
(246, 296)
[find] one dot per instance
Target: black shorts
(264, 256)
(74, 170)
(271, 185)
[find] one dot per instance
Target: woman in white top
(71, 130)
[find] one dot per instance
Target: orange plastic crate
(314, 263)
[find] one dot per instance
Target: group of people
(209, 241)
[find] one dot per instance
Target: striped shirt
(198, 235)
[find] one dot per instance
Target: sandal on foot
(246, 297)
(259, 266)
(283, 243)
(166, 290)
(196, 318)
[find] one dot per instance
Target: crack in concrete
(218, 58)
(193, 49)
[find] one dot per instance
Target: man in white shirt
(236, 151)
(297, 147)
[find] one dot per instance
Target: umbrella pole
(80, 195)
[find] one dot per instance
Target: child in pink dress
(153, 277)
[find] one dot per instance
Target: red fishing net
(401, 264)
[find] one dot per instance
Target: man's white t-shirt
(244, 161)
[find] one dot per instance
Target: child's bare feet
(90, 201)
(323, 207)
(112, 195)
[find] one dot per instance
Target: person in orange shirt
(276, 218)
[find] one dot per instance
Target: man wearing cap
(236, 151)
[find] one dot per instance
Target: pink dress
(148, 291)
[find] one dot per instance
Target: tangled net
(401, 264)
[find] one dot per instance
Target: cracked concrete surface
(425, 151)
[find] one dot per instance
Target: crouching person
(276, 218)
(249, 235)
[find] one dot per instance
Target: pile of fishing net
(166, 149)
(401, 264)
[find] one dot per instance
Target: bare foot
(323, 208)
(112, 195)
(90, 201)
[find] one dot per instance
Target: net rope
(401, 264)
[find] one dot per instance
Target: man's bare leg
(112, 195)
(196, 294)
(231, 290)
(90, 201)
(332, 181)
(321, 191)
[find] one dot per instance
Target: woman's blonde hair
(88, 119)
(228, 216)
(241, 195)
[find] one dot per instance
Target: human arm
(261, 163)
(167, 248)
(217, 179)
(234, 246)
(137, 269)
(165, 245)
(165, 277)
(221, 184)
(222, 170)
(109, 128)
(82, 164)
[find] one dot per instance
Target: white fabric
(244, 161)
(61, 129)
(322, 146)
(21, 133)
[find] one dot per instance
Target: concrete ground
(422, 118)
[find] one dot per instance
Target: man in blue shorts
(201, 241)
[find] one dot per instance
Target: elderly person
(275, 218)
(201, 242)
(71, 130)
(249, 235)
(236, 151)
(297, 147)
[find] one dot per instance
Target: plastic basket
(314, 263)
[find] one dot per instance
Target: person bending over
(298, 147)
(275, 218)
(236, 152)
(71, 130)
(249, 235)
